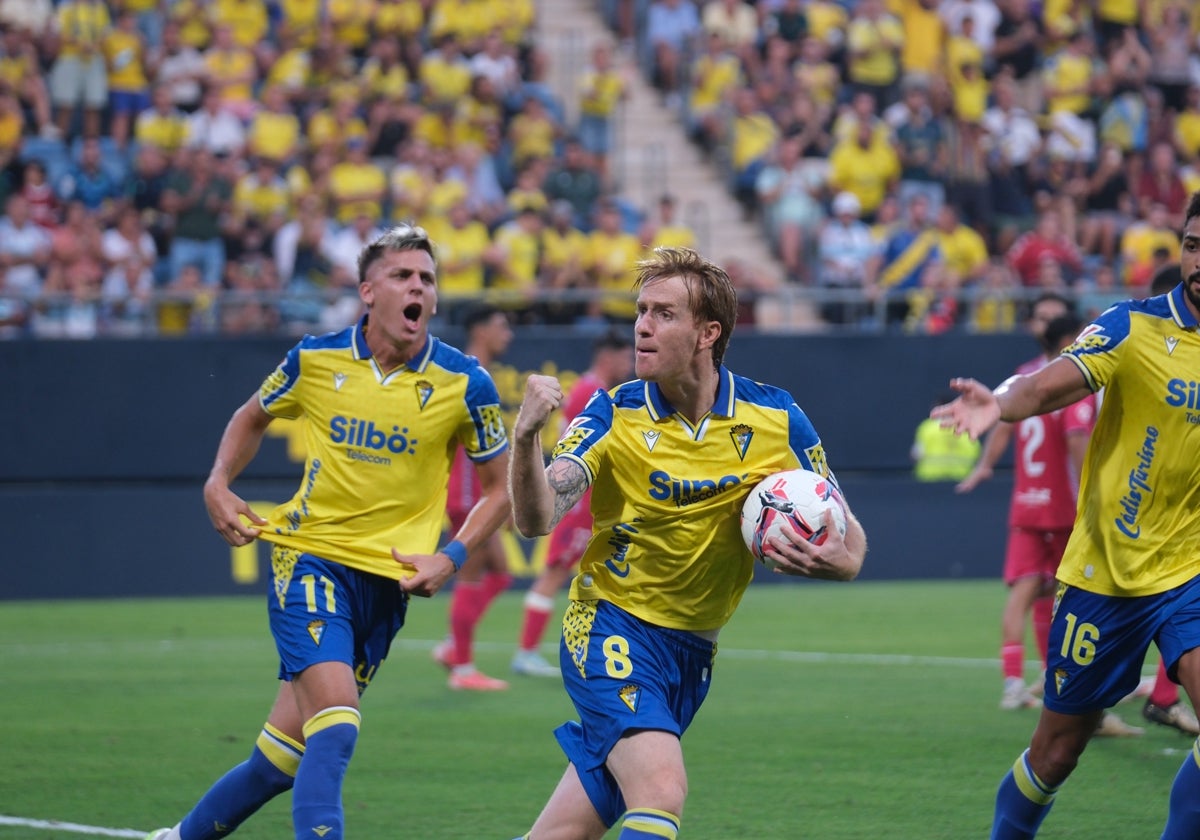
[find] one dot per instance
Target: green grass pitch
(855, 711)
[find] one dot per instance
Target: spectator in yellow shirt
(666, 231)
(818, 75)
(444, 75)
(128, 89)
(162, 125)
(963, 250)
(564, 268)
(231, 68)
(290, 67)
(246, 19)
(716, 74)
(194, 28)
(20, 70)
(612, 253)
(335, 126)
(463, 243)
(1069, 76)
(866, 166)
(356, 186)
(79, 76)
(532, 133)
(601, 89)
(874, 40)
(274, 132)
(1141, 243)
(261, 199)
(753, 138)
(11, 124)
(351, 20)
(514, 261)
(300, 20)
(924, 36)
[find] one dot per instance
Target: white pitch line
(178, 646)
(74, 828)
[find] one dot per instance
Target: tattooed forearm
(568, 481)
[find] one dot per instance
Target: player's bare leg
(568, 814)
(1027, 793)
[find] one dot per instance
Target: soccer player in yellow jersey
(669, 458)
(386, 405)
(79, 75)
(1129, 575)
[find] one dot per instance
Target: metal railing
(789, 308)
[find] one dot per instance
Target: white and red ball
(798, 497)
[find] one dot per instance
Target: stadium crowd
(934, 163)
(174, 166)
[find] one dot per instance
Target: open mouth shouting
(412, 314)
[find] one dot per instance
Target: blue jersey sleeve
(483, 435)
(580, 441)
(806, 443)
(278, 394)
(1098, 349)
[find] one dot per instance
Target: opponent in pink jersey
(1047, 461)
(485, 574)
(612, 364)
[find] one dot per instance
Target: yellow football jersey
(667, 495)
(1137, 528)
(380, 444)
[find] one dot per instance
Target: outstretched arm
(540, 495)
(977, 409)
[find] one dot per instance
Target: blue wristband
(456, 551)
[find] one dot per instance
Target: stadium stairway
(652, 156)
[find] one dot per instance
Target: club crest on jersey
(339, 379)
(651, 437)
(424, 392)
(630, 694)
(1060, 680)
(316, 629)
(741, 434)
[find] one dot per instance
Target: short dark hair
(1166, 279)
(612, 339)
(1054, 296)
(480, 314)
(1193, 208)
(1064, 326)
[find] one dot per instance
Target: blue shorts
(1098, 643)
(322, 611)
(127, 102)
(624, 675)
(595, 133)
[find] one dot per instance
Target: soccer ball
(799, 497)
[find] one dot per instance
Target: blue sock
(329, 737)
(1022, 802)
(648, 824)
(1183, 820)
(268, 772)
